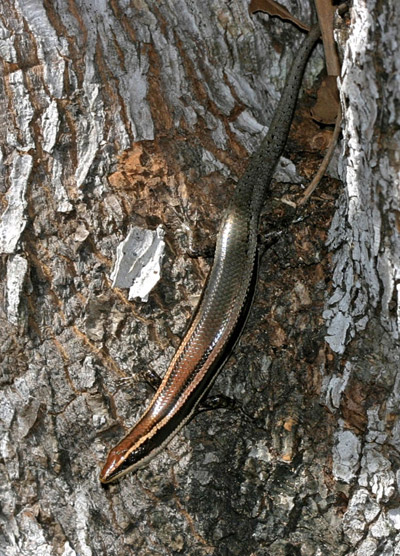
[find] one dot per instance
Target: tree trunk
(125, 127)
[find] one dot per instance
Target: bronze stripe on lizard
(226, 299)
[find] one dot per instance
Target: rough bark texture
(363, 310)
(123, 115)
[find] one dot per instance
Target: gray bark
(124, 127)
(362, 313)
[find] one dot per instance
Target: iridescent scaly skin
(226, 298)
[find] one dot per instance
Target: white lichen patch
(361, 511)
(335, 388)
(261, 452)
(7, 48)
(394, 518)
(14, 219)
(89, 133)
(365, 524)
(60, 194)
(50, 124)
(346, 456)
(376, 473)
(17, 267)
(365, 517)
(138, 262)
(24, 112)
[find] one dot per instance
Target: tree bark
(362, 314)
(125, 126)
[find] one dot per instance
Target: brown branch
(324, 165)
(325, 12)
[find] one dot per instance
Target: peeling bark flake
(138, 262)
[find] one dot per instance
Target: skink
(225, 302)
